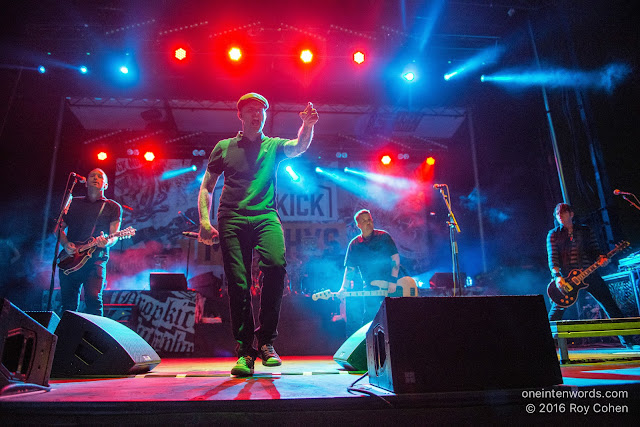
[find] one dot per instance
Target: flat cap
(252, 96)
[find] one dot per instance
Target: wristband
(557, 274)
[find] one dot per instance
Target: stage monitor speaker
(167, 282)
(48, 319)
(96, 345)
(26, 350)
(352, 354)
(444, 344)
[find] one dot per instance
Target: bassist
(374, 254)
(573, 246)
(93, 216)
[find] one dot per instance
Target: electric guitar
(575, 281)
(406, 287)
(84, 250)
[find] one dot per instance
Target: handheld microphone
(437, 186)
(81, 179)
(194, 235)
(624, 193)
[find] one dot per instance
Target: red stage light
(431, 161)
(235, 54)
(386, 159)
(149, 156)
(180, 53)
(306, 56)
(358, 57)
(102, 155)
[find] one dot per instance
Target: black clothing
(372, 257)
(80, 220)
(83, 216)
(580, 250)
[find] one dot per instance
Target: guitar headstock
(127, 233)
(321, 295)
(621, 245)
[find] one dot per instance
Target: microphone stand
(66, 202)
(453, 229)
(631, 202)
(189, 246)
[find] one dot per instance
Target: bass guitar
(406, 287)
(84, 250)
(575, 281)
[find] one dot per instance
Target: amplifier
(624, 289)
(630, 262)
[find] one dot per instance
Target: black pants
(360, 311)
(239, 235)
(598, 290)
(92, 278)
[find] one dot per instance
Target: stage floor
(307, 390)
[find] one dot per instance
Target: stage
(314, 390)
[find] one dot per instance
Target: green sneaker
(269, 356)
(243, 367)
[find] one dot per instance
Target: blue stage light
(41, 69)
(607, 78)
(449, 75)
(83, 69)
(409, 76)
(124, 70)
(177, 172)
(294, 176)
(480, 60)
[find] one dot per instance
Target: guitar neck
(363, 293)
(593, 267)
(94, 243)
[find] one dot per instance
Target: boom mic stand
(64, 208)
(453, 229)
(624, 194)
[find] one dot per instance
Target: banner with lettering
(166, 320)
(160, 201)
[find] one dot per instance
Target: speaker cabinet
(443, 344)
(95, 345)
(167, 282)
(624, 291)
(352, 354)
(26, 349)
(48, 319)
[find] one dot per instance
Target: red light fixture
(180, 53)
(235, 54)
(358, 57)
(431, 161)
(149, 156)
(306, 56)
(102, 155)
(386, 159)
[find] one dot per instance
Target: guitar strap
(104, 202)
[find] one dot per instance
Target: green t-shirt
(249, 169)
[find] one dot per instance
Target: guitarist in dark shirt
(573, 246)
(93, 216)
(374, 255)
